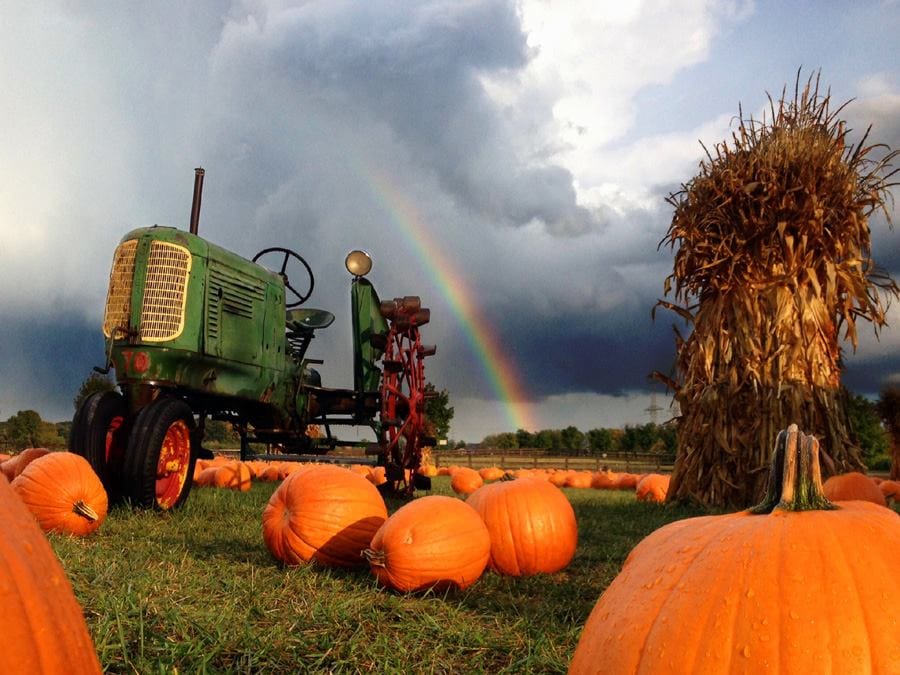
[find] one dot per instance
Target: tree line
(866, 423)
(656, 438)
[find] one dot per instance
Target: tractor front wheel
(100, 435)
(159, 465)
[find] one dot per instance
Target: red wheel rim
(402, 400)
(172, 468)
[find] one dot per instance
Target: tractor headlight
(358, 263)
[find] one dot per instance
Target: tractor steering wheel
(288, 254)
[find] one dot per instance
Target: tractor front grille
(118, 297)
(165, 291)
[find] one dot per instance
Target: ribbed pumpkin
(63, 493)
(652, 488)
(43, 625)
(465, 481)
(795, 585)
(324, 514)
(532, 525)
(853, 485)
(433, 542)
(234, 476)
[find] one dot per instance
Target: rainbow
(482, 339)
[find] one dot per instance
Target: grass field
(197, 591)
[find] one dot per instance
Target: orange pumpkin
(853, 485)
(652, 488)
(579, 479)
(16, 465)
(377, 475)
(63, 493)
(234, 476)
(432, 542)
(558, 478)
(605, 480)
(795, 585)
(322, 513)
(490, 473)
(43, 625)
(465, 481)
(531, 523)
(206, 477)
(627, 481)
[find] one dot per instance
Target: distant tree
(438, 410)
(92, 384)
(865, 427)
(600, 441)
(889, 409)
(548, 439)
(572, 439)
(640, 438)
(460, 445)
(504, 441)
(24, 429)
(524, 438)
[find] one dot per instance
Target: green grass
(197, 591)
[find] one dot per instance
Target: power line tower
(654, 409)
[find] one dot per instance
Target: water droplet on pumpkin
(794, 614)
(746, 651)
(750, 593)
(763, 637)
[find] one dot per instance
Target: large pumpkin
(63, 493)
(531, 523)
(43, 626)
(796, 585)
(432, 542)
(325, 514)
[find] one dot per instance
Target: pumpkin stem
(84, 510)
(374, 557)
(795, 481)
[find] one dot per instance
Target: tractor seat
(306, 320)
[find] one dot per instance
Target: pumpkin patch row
(237, 475)
(648, 487)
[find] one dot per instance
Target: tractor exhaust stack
(198, 194)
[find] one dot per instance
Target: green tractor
(195, 332)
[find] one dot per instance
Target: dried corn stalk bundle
(772, 270)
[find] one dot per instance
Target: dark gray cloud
(411, 71)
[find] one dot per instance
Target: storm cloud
(531, 144)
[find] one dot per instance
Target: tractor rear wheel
(159, 464)
(100, 435)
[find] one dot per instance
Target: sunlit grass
(197, 591)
